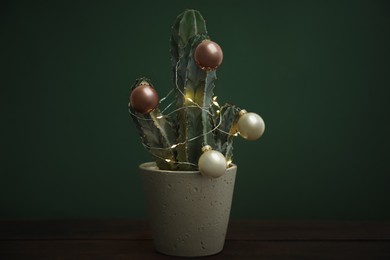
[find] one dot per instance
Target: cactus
(177, 140)
(156, 133)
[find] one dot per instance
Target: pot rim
(151, 166)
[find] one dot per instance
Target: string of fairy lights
(194, 105)
(144, 99)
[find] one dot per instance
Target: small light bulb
(215, 98)
(190, 99)
(160, 116)
(218, 111)
(228, 163)
(216, 103)
(173, 146)
(237, 133)
(168, 160)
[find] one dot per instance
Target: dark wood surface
(129, 239)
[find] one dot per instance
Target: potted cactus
(189, 187)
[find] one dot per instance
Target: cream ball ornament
(250, 125)
(212, 163)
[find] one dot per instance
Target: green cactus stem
(156, 132)
(226, 120)
(194, 88)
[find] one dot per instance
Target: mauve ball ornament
(208, 55)
(250, 125)
(212, 163)
(144, 98)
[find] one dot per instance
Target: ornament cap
(206, 148)
(242, 112)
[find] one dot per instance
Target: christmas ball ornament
(211, 163)
(208, 55)
(144, 98)
(250, 125)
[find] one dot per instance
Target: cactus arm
(229, 142)
(224, 135)
(155, 133)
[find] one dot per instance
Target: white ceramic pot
(189, 213)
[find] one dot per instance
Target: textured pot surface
(189, 213)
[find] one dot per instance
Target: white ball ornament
(212, 163)
(250, 125)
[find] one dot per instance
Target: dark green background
(317, 72)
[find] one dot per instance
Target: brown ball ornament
(208, 55)
(144, 99)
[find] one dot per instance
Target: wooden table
(128, 239)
